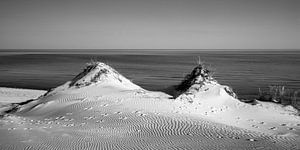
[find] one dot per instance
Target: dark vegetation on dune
(89, 67)
(275, 93)
(93, 64)
(280, 94)
(14, 107)
(199, 71)
(200, 75)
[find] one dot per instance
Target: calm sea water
(244, 71)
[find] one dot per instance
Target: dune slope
(101, 109)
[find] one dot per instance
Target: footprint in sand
(69, 120)
(38, 122)
(71, 125)
(21, 123)
(84, 99)
(235, 137)
(189, 134)
(89, 117)
(106, 114)
(47, 119)
(118, 112)
(99, 121)
(83, 123)
(50, 122)
(142, 115)
(123, 118)
(9, 129)
(88, 108)
(60, 117)
(251, 140)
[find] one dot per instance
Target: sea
(244, 70)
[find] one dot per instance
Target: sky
(149, 24)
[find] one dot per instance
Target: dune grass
(280, 94)
(201, 71)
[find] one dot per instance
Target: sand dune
(101, 109)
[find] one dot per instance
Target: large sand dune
(101, 109)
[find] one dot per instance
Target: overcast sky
(150, 24)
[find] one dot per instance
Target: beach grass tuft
(280, 94)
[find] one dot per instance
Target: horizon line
(275, 49)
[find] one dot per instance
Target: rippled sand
(126, 119)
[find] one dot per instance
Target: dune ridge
(101, 109)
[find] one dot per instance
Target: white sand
(113, 113)
(13, 95)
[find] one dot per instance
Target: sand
(14, 95)
(113, 113)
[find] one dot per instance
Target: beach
(102, 109)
